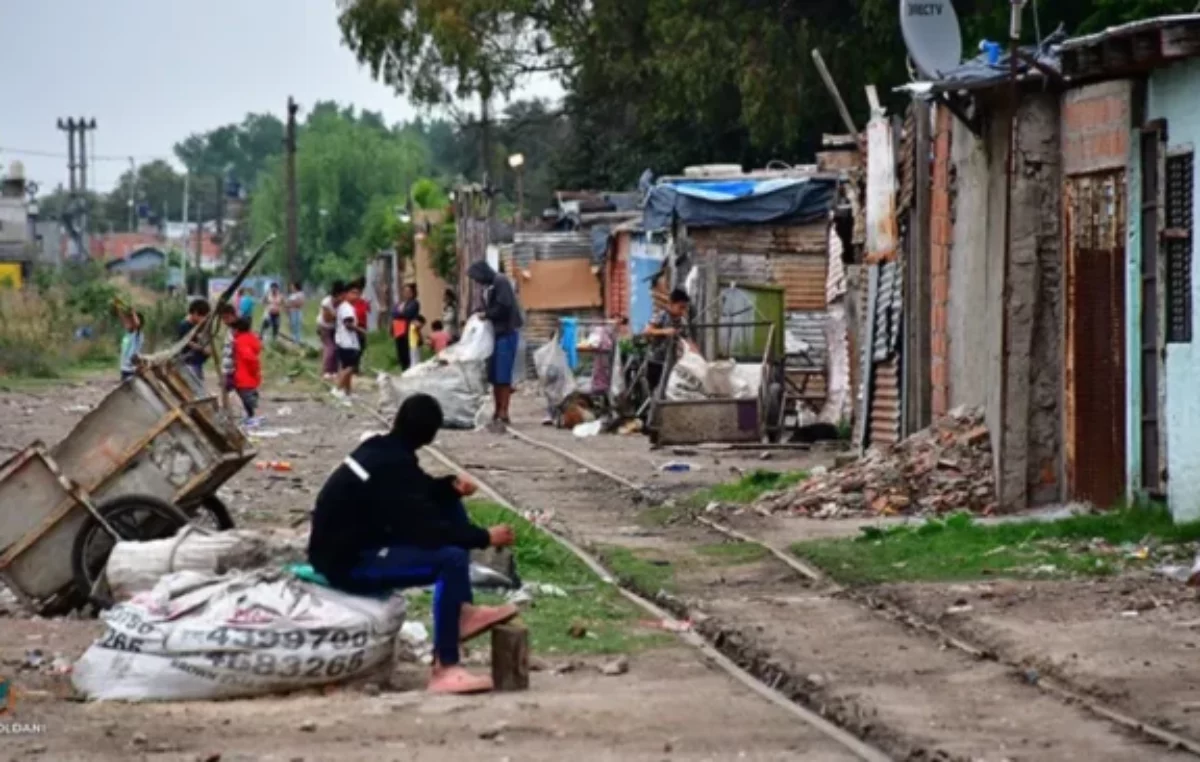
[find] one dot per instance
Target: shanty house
(758, 238)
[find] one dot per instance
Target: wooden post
(510, 657)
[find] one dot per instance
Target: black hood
(482, 272)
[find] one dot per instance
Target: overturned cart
(148, 459)
(139, 466)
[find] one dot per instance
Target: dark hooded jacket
(500, 305)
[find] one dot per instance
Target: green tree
(241, 149)
(441, 52)
(352, 176)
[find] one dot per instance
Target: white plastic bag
(555, 378)
(459, 387)
(135, 567)
(198, 636)
(475, 345)
(688, 377)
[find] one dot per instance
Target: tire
(218, 516)
(133, 517)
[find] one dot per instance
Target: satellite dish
(931, 34)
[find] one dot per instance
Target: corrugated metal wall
(530, 247)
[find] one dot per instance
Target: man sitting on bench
(381, 523)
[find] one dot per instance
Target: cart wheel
(133, 517)
(213, 514)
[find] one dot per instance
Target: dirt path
(670, 705)
(904, 691)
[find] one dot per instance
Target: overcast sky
(152, 72)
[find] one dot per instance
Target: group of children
(341, 325)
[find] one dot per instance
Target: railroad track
(708, 650)
(758, 671)
(1059, 689)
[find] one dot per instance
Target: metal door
(1095, 235)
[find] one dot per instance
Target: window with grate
(1177, 247)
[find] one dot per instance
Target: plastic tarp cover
(741, 202)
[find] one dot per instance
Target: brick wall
(941, 235)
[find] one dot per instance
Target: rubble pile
(945, 468)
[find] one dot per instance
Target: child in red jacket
(247, 365)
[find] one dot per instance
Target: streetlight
(517, 162)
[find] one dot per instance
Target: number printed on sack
(289, 666)
(254, 639)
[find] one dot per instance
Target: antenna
(932, 36)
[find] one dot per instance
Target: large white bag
(135, 567)
(456, 378)
(198, 636)
(688, 377)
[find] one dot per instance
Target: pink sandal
(476, 620)
(457, 681)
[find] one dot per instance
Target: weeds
(609, 620)
(749, 488)
(65, 321)
(959, 548)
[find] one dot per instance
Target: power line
(93, 157)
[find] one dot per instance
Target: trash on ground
(946, 467)
(275, 433)
(414, 634)
(198, 636)
(617, 666)
(669, 625)
(590, 429)
(283, 412)
(281, 466)
(678, 466)
(532, 590)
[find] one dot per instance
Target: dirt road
(904, 691)
(670, 704)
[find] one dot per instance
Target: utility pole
(68, 127)
(132, 193)
(187, 180)
(83, 126)
(290, 179)
(221, 217)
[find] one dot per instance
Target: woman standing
(403, 316)
(326, 325)
(273, 313)
(295, 308)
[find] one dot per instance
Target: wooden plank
(559, 284)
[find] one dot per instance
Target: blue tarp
(723, 203)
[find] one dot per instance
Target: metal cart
(146, 460)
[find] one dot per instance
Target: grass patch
(733, 553)
(749, 488)
(641, 573)
(610, 620)
(658, 516)
(959, 549)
